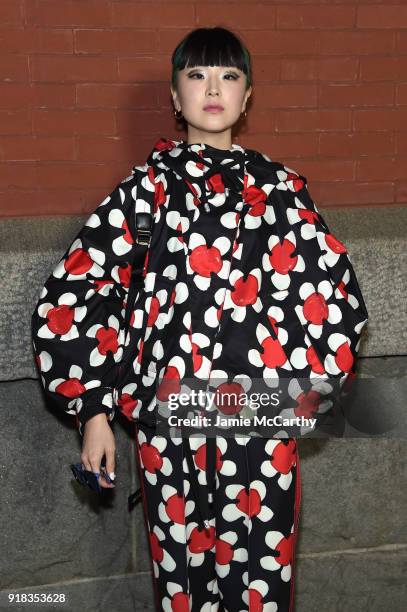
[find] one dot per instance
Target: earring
(176, 115)
(245, 114)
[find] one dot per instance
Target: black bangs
(211, 47)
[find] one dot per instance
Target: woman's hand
(98, 440)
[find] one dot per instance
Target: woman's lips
(213, 109)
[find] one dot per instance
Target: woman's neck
(223, 140)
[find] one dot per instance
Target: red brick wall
(85, 93)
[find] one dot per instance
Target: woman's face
(202, 86)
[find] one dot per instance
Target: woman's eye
(234, 77)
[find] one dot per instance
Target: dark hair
(211, 47)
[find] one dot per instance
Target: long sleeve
(77, 324)
(330, 303)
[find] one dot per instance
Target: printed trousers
(245, 560)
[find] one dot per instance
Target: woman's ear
(246, 97)
(174, 96)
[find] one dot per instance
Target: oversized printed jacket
(243, 280)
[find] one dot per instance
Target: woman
(243, 284)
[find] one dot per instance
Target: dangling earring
(176, 115)
(245, 114)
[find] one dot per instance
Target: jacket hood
(207, 171)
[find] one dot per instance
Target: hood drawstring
(201, 499)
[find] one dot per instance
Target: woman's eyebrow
(225, 67)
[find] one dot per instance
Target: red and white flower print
(228, 551)
(161, 558)
(255, 597)
(247, 504)
(281, 462)
(282, 260)
(316, 310)
(284, 546)
(199, 543)
(172, 512)
(205, 259)
(152, 461)
(272, 355)
(177, 600)
(244, 294)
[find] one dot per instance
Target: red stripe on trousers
(297, 504)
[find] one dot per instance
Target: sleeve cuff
(95, 401)
(88, 412)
